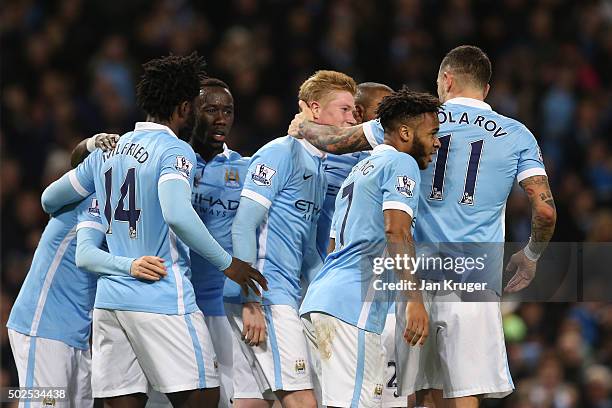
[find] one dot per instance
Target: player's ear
(486, 91)
(315, 107)
(447, 80)
(358, 113)
(184, 109)
(406, 133)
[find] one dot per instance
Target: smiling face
(335, 109)
(215, 117)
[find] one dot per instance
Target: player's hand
(106, 141)
(304, 115)
(254, 324)
(524, 271)
(149, 268)
(417, 324)
(243, 274)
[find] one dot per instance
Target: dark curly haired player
(147, 333)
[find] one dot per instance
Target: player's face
(215, 117)
(336, 109)
(426, 142)
(370, 111)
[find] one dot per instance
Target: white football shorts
(173, 352)
(464, 355)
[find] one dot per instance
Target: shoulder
(281, 145)
(511, 125)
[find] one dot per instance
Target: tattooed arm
(543, 212)
(543, 220)
(334, 139)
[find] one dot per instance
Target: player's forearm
(543, 213)
(79, 153)
(401, 246)
(249, 216)
(175, 202)
(60, 193)
(91, 258)
(333, 139)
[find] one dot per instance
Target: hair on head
(405, 105)
(169, 81)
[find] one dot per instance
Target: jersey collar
(311, 149)
(474, 103)
(153, 126)
(224, 155)
(383, 147)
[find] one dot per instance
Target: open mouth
(218, 135)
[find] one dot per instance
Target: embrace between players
(303, 220)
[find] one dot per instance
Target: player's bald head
(367, 99)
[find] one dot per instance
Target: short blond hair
(319, 85)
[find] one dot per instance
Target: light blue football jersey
(126, 183)
(215, 197)
(337, 168)
(464, 190)
(56, 299)
(286, 176)
(344, 288)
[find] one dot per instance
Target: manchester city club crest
(232, 178)
(300, 366)
(405, 186)
(378, 391)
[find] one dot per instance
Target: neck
(173, 126)
(466, 93)
(206, 151)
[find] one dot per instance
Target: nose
(437, 143)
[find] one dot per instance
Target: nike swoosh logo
(307, 177)
(327, 168)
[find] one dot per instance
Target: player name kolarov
(448, 285)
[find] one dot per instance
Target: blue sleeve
(374, 132)
(177, 162)
(83, 175)
(400, 184)
(268, 173)
(249, 216)
(530, 161)
(62, 192)
(90, 238)
(175, 201)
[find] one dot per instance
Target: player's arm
(543, 220)
(104, 141)
(64, 191)
(249, 216)
(91, 258)
(400, 245)
(331, 139)
(175, 200)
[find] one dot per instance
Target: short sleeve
(177, 163)
(82, 177)
(530, 161)
(374, 132)
(400, 185)
(268, 173)
(89, 214)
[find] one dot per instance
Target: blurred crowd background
(69, 69)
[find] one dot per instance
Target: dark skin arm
(543, 220)
(105, 141)
(400, 242)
